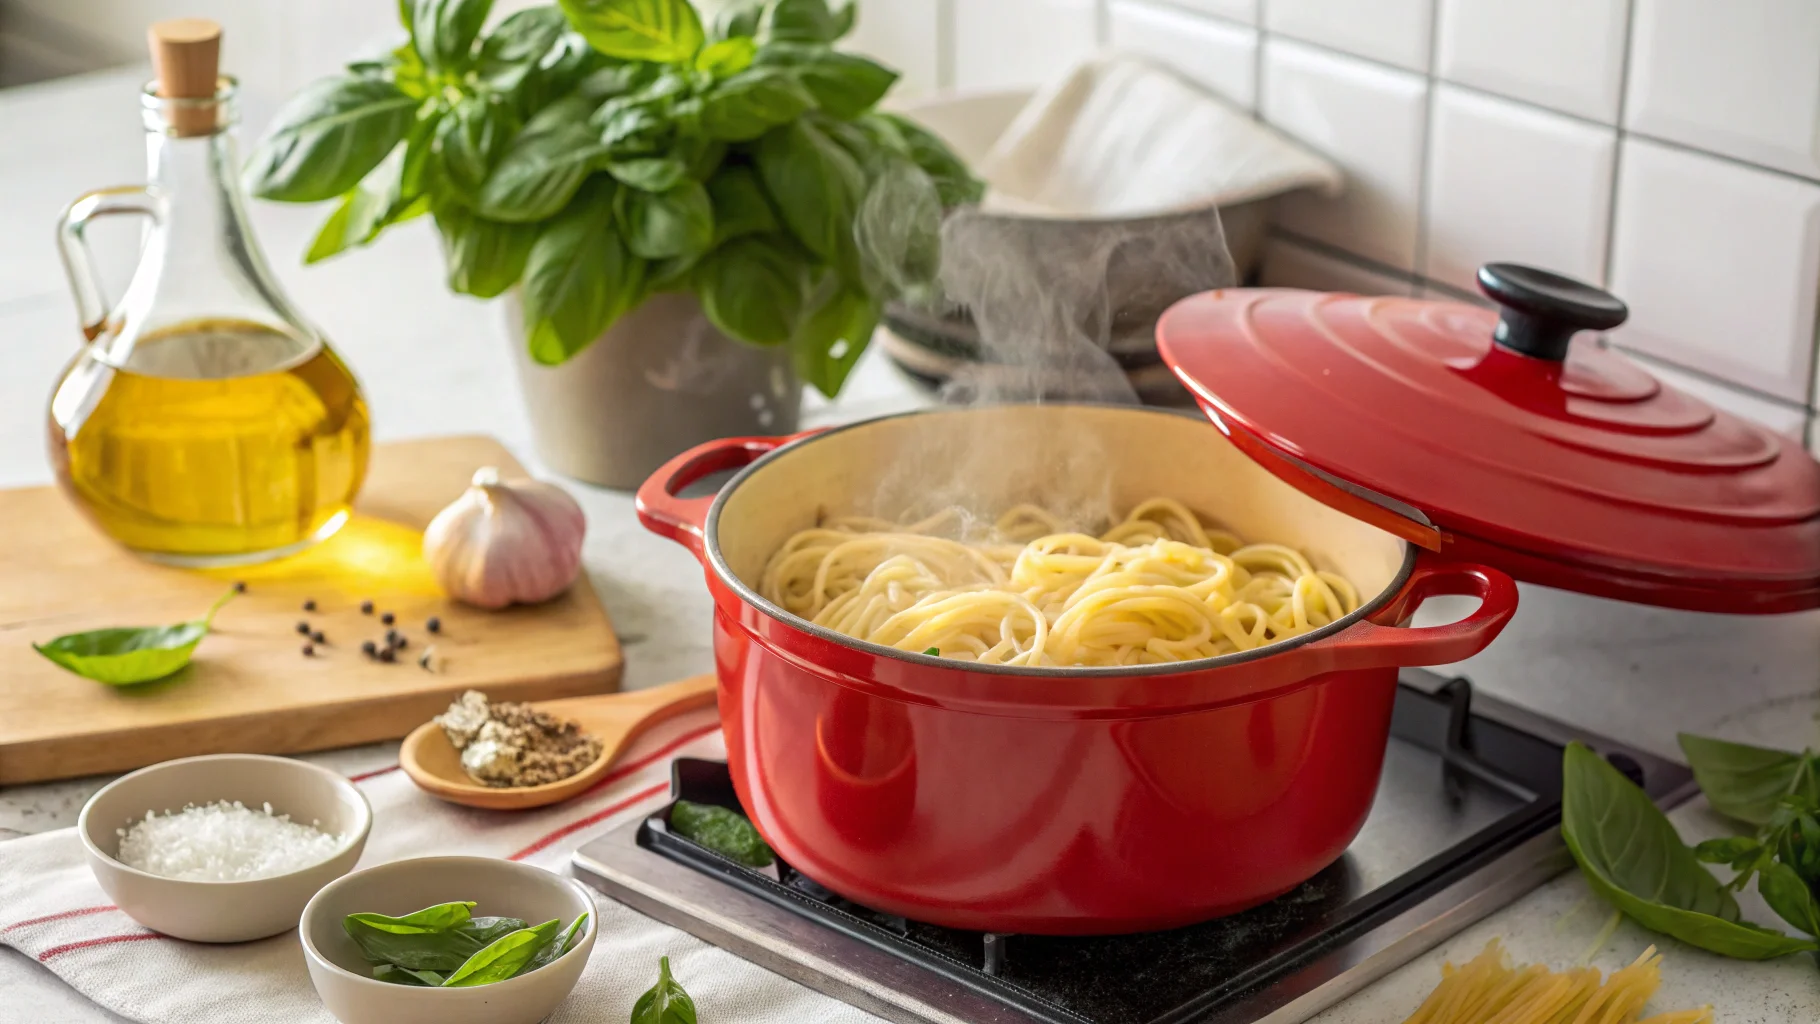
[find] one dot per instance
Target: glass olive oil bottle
(206, 422)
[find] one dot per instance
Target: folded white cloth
(1122, 137)
(52, 910)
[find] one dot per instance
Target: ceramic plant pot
(659, 381)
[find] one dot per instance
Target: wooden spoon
(615, 719)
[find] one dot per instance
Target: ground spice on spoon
(511, 744)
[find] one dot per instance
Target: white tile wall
(1019, 42)
(1508, 181)
(1565, 54)
(1393, 31)
(1245, 11)
(1370, 118)
(1719, 263)
(1741, 78)
(1221, 55)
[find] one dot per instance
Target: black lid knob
(1542, 311)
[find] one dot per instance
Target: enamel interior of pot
(1083, 461)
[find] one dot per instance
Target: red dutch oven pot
(1052, 800)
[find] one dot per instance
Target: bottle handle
(79, 263)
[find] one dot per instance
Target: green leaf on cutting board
(1746, 782)
(123, 656)
(727, 833)
(665, 1002)
(1633, 858)
(505, 957)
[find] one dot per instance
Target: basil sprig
(1632, 856)
(444, 946)
(124, 656)
(665, 1002)
(599, 152)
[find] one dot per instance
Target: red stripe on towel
(66, 915)
(363, 776)
(598, 816)
(106, 940)
(656, 755)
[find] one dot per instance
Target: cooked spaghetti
(1160, 586)
(1489, 990)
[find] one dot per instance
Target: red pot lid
(1504, 439)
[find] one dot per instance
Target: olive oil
(212, 442)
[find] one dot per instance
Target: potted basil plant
(642, 188)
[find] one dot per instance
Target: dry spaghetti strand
(1488, 989)
(1158, 586)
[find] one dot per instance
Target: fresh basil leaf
(514, 48)
(752, 289)
(832, 337)
(739, 18)
(753, 102)
(130, 655)
(563, 943)
(1733, 851)
(727, 57)
(805, 21)
(616, 80)
(726, 832)
(439, 918)
(471, 138)
(1793, 901)
(1632, 857)
(579, 278)
(327, 138)
(665, 1002)
(505, 957)
(630, 126)
(845, 85)
(483, 257)
(444, 31)
(406, 71)
(661, 31)
(958, 186)
(676, 222)
(1746, 782)
(651, 174)
(701, 155)
(934, 652)
(392, 193)
(539, 174)
(405, 976)
(740, 206)
(485, 930)
(816, 187)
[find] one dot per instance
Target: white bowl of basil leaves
(447, 940)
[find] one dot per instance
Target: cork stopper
(186, 56)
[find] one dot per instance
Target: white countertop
(435, 363)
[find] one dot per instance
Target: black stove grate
(1188, 973)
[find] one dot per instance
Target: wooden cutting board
(250, 689)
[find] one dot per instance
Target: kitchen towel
(1121, 137)
(52, 910)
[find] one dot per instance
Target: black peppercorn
(434, 625)
(303, 627)
(369, 648)
(388, 655)
(400, 642)
(309, 605)
(388, 618)
(239, 586)
(366, 607)
(309, 650)
(317, 637)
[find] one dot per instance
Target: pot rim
(711, 548)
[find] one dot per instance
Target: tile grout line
(944, 44)
(1617, 152)
(1424, 178)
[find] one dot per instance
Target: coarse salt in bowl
(222, 848)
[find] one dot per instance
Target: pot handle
(1367, 645)
(682, 519)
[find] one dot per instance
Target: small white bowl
(236, 911)
(500, 888)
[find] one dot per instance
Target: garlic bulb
(502, 542)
